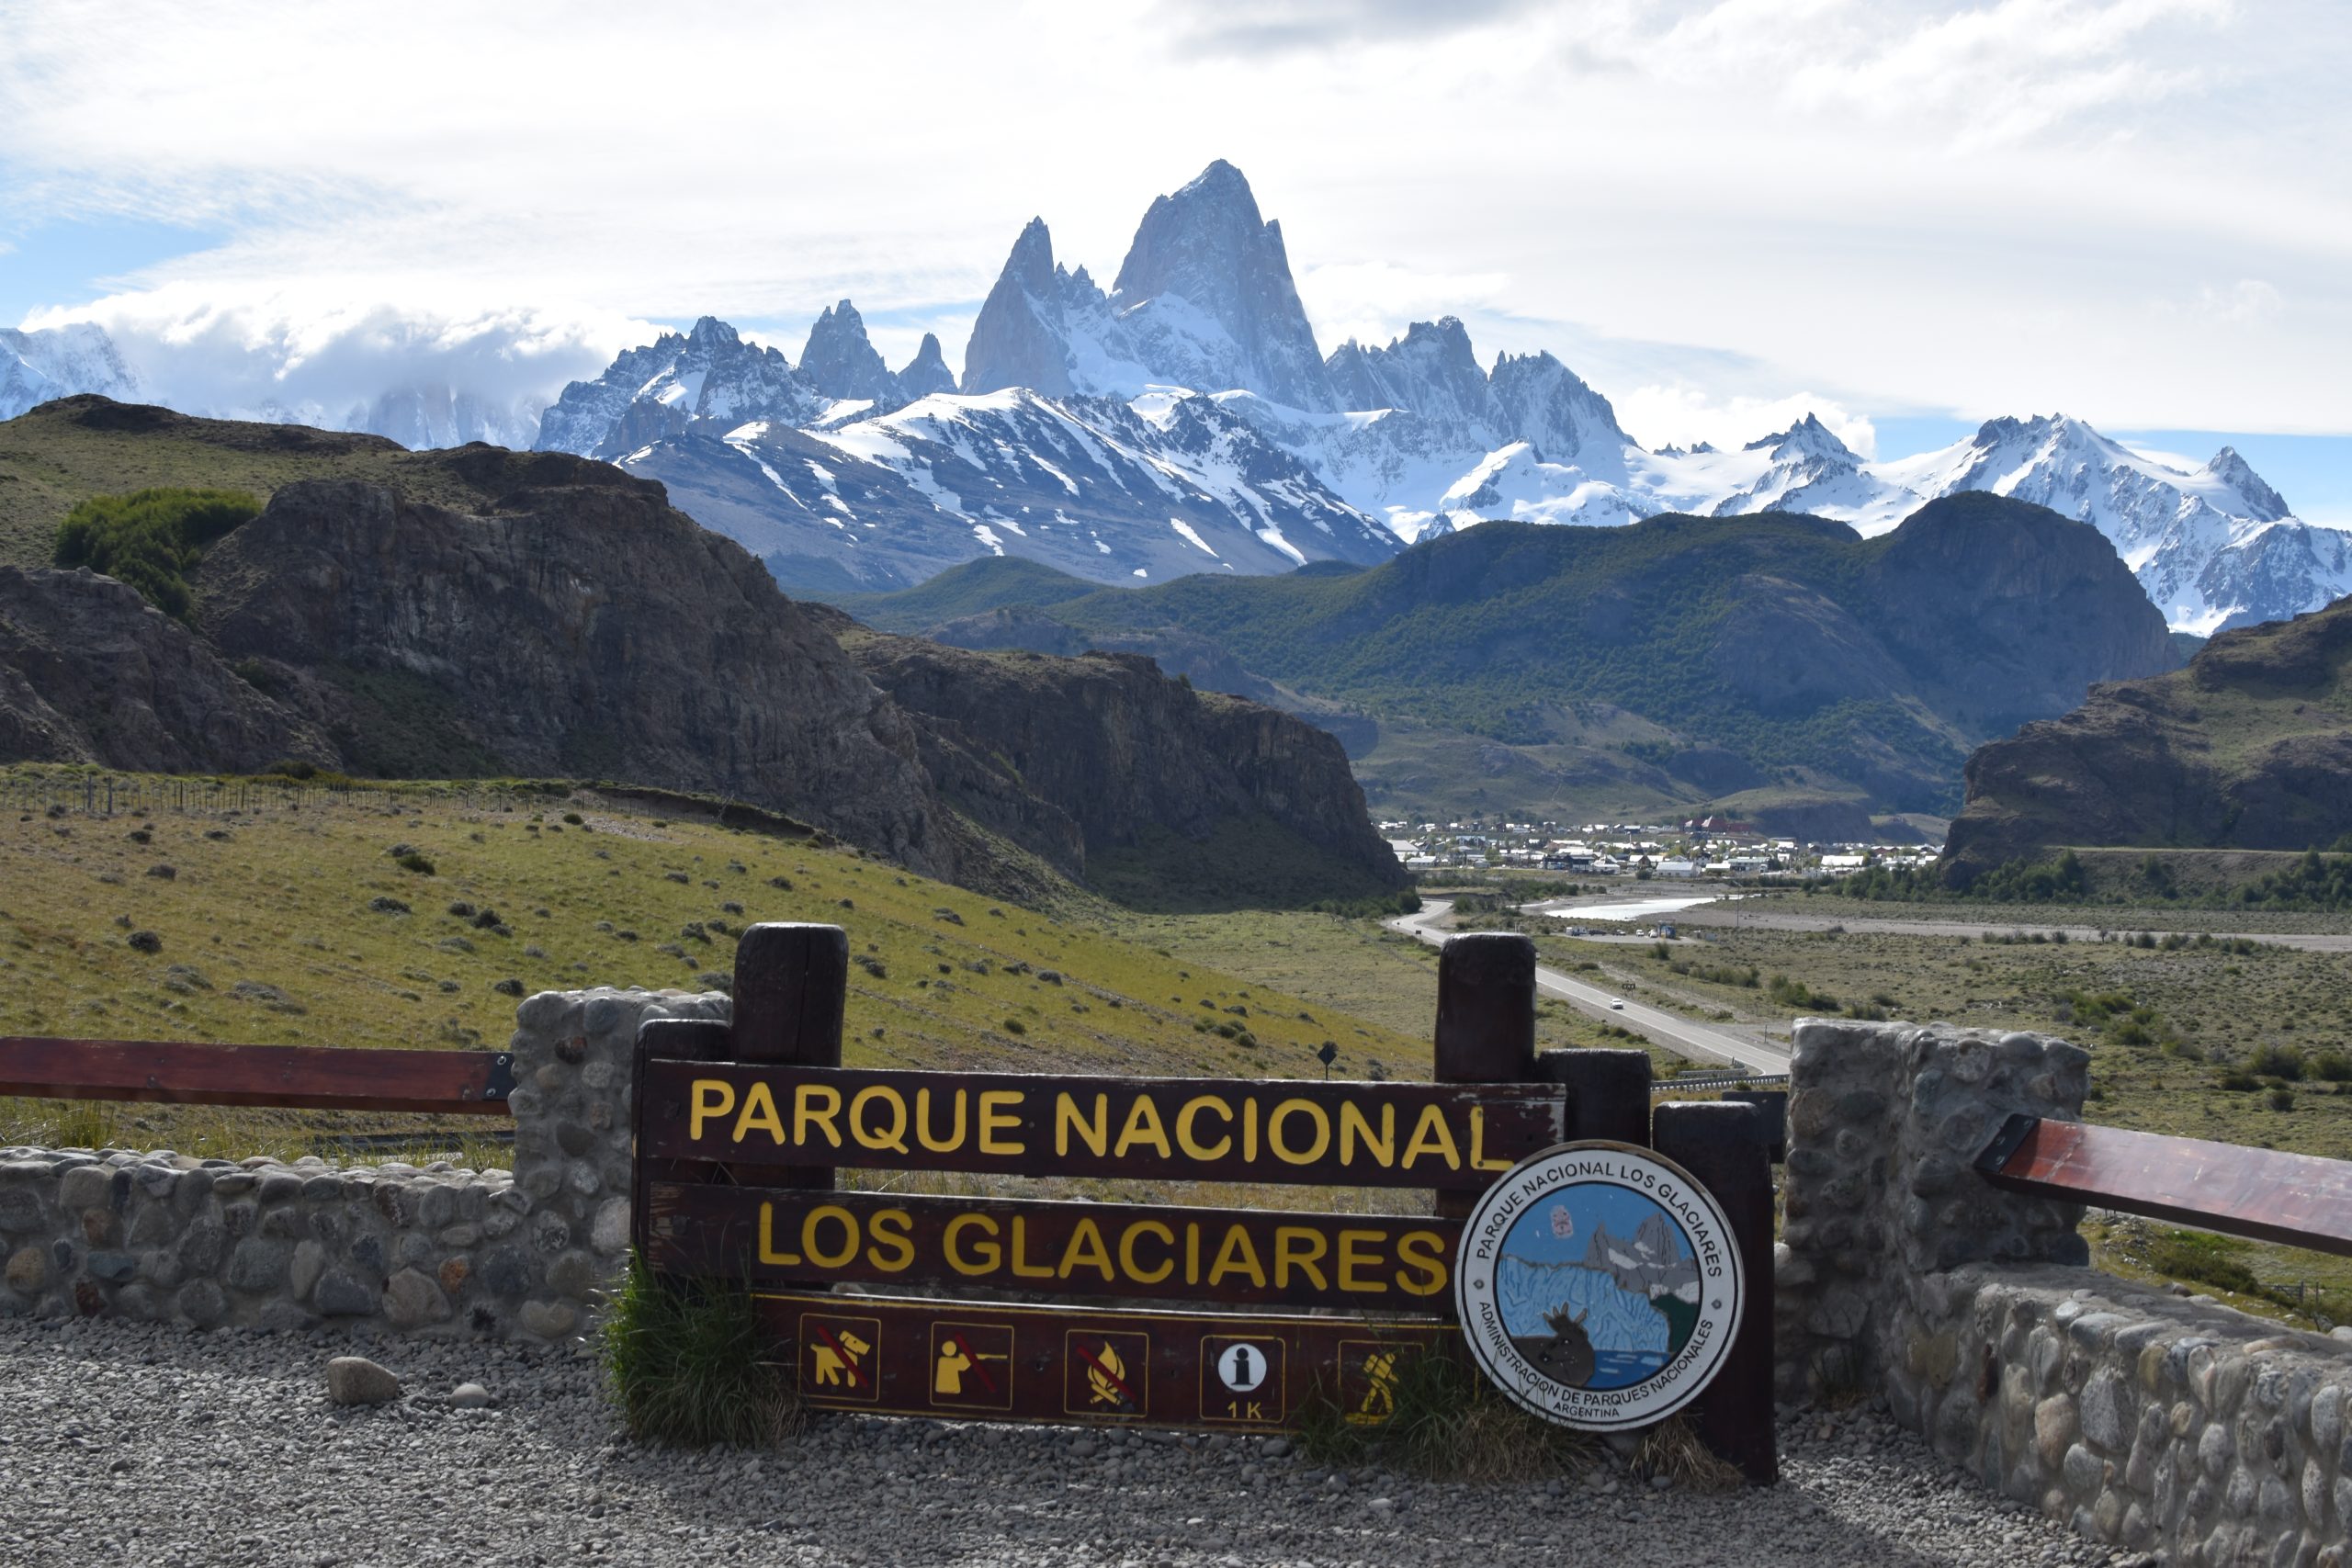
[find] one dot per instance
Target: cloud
(1683, 416)
(1265, 27)
(1374, 301)
(319, 361)
(1978, 204)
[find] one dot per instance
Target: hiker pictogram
(839, 1350)
(1106, 1373)
(1379, 1401)
(971, 1365)
(1368, 1374)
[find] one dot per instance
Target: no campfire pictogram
(1106, 1373)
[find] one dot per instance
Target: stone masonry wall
(2148, 1420)
(256, 1242)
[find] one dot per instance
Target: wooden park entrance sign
(1025, 1309)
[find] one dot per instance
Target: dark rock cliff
(580, 628)
(2250, 746)
(90, 671)
(1076, 756)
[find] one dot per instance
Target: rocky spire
(1018, 339)
(927, 372)
(841, 363)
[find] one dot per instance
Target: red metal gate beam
(304, 1076)
(2262, 1194)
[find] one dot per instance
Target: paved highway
(1698, 1041)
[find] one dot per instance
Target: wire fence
(128, 795)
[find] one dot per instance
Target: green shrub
(2276, 1062)
(150, 538)
(688, 1362)
(417, 863)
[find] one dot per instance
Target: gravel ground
(133, 1444)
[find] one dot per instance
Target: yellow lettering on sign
(1143, 1127)
(1095, 1133)
(1238, 1255)
(994, 1121)
(1086, 1250)
(1292, 1250)
(1187, 1140)
(1021, 1264)
(1249, 1130)
(806, 1101)
(986, 1257)
(1135, 1270)
(1191, 1253)
(769, 1251)
(712, 1097)
(1478, 1160)
(1354, 1128)
(1422, 1255)
(1283, 1113)
(892, 1134)
(922, 1123)
(1352, 1258)
(893, 1229)
(1431, 1135)
(817, 1216)
(759, 1111)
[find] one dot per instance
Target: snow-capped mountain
(1092, 486)
(709, 376)
(57, 362)
(2215, 546)
(1185, 416)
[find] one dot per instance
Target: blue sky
(1908, 216)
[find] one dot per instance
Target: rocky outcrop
(91, 673)
(569, 623)
(582, 628)
(2250, 746)
(1116, 750)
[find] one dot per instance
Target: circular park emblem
(1599, 1286)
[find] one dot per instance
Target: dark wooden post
(791, 984)
(1485, 1019)
(1723, 1147)
(1609, 1093)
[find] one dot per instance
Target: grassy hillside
(1680, 656)
(62, 453)
(282, 925)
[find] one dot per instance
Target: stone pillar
(1884, 1120)
(571, 1104)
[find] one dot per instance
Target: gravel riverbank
(136, 1444)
